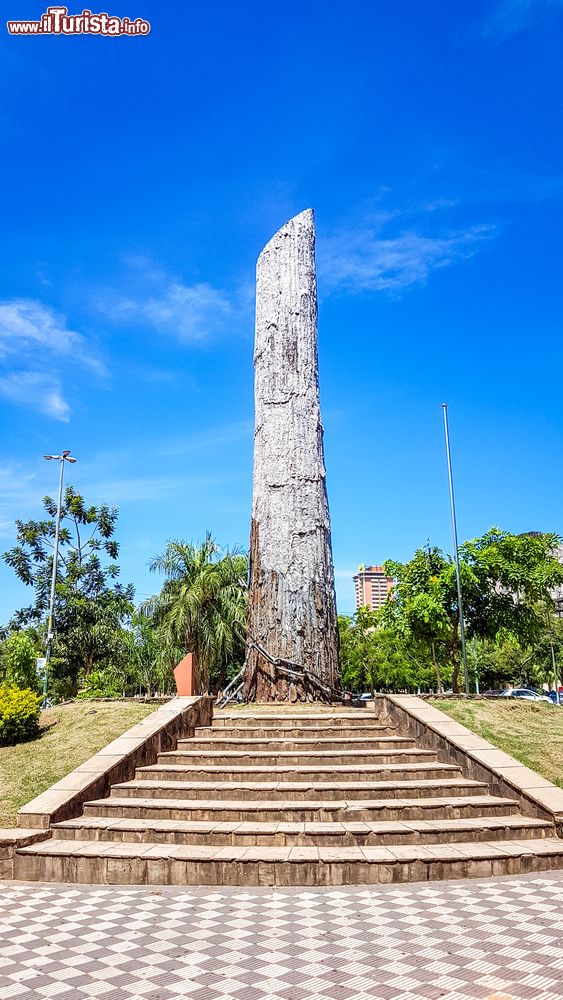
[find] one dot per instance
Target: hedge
(19, 713)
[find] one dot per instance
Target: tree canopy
(506, 583)
(201, 607)
(103, 646)
(91, 607)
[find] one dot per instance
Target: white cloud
(366, 260)
(37, 391)
(192, 313)
(209, 439)
(46, 349)
(18, 496)
(28, 326)
(149, 296)
(133, 488)
(511, 16)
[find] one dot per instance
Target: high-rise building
(372, 587)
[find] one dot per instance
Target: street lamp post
(554, 668)
(65, 456)
(456, 552)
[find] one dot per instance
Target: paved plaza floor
(495, 939)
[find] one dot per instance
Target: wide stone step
(345, 834)
(358, 718)
(110, 862)
(251, 758)
(298, 790)
(387, 755)
(454, 806)
(297, 745)
(299, 732)
(309, 773)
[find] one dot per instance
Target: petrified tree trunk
(292, 607)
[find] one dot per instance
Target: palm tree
(201, 608)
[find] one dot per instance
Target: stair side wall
(479, 759)
(117, 762)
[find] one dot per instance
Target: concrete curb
(10, 841)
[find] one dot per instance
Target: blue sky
(141, 178)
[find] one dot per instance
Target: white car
(525, 694)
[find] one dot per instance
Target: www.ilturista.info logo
(58, 21)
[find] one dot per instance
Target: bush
(19, 659)
(19, 713)
(99, 684)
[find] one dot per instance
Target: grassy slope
(533, 734)
(74, 733)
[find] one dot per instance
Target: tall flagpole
(456, 550)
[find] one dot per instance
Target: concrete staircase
(289, 797)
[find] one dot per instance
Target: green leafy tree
(547, 655)
(501, 664)
(101, 684)
(374, 657)
(506, 581)
(19, 657)
(201, 608)
(91, 607)
(356, 645)
(146, 665)
(423, 611)
(513, 578)
(91, 631)
(351, 680)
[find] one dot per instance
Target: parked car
(525, 694)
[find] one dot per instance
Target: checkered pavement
(495, 939)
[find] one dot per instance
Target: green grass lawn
(533, 734)
(70, 734)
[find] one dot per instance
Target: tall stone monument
(292, 648)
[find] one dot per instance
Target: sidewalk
(496, 939)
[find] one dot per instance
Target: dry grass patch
(70, 735)
(533, 734)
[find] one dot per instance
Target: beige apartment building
(372, 587)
